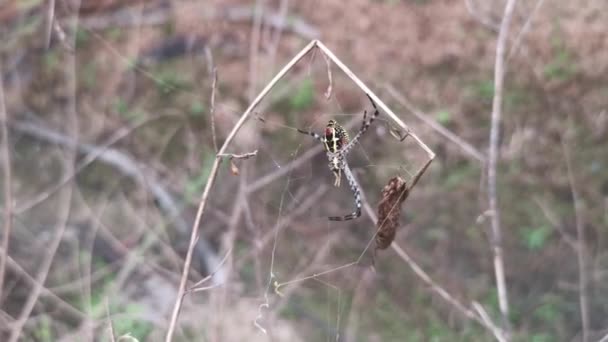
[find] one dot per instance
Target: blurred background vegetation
(110, 144)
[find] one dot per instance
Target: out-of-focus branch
(7, 184)
(130, 167)
(93, 153)
(525, 28)
(484, 20)
(496, 234)
(466, 147)
(66, 308)
(212, 109)
(160, 16)
(65, 199)
(583, 276)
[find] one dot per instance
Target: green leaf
(443, 117)
(196, 108)
(484, 89)
(536, 238)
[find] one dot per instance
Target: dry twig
(329, 78)
(50, 18)
(583, 276)
(499, 73)
(212, 109)
(238, 156)
(7, 184)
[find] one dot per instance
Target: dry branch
(7, 185)
(212, 109)
(496, 241)
(64, 306)
(239, 156)
(583, 276)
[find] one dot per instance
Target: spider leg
(352, 182)
(364, 127)
(312, 134)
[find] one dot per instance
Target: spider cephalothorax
(337, 145)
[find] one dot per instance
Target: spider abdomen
(336, 137)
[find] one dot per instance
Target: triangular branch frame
(239, 124)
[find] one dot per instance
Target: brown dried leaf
(233, 168)
(389, 211)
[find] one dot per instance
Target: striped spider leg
(337, 146)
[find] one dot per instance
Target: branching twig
(525, 28)
(196, 286)
(239, 156)
(485, 317)
(499, 69)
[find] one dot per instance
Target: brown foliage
(389, 211)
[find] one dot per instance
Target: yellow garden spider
(337, 146)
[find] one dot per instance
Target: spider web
(304, 257)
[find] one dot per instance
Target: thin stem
(583, 276)
(497, 250)
(8, 194)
